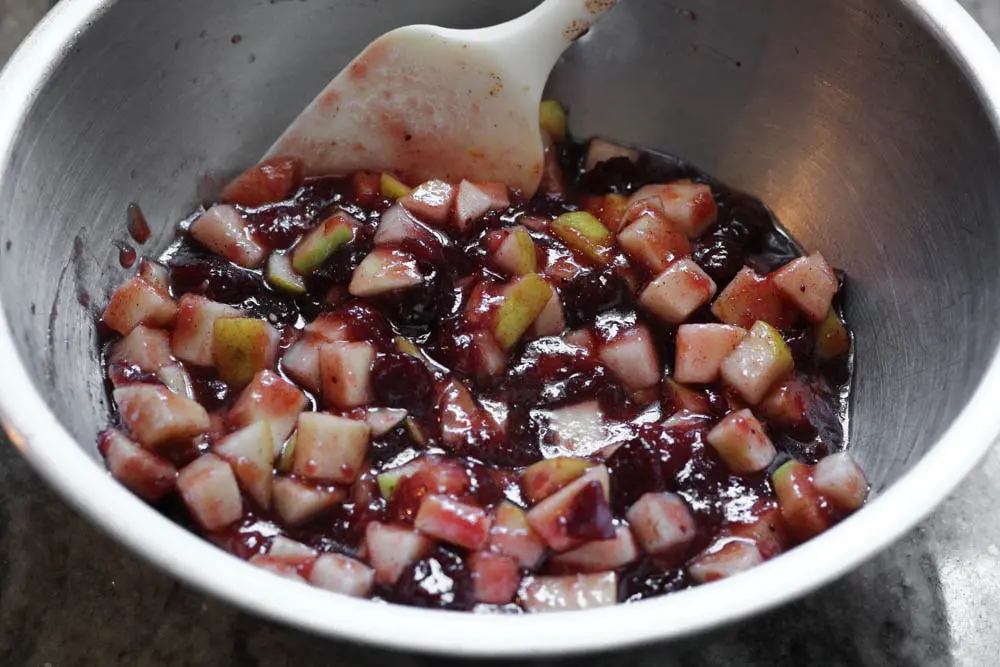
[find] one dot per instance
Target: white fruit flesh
(841, 481)
(701, 349)
(251, 454)
(540, 480)
(156, 416)
(662, 523)
(391, 549)
(430, 201)
(728, 557)
(142, 472)
(760, 360)
(301, 360)
(154, 273)
(329, 448)
(577, 430)
(177, 380)
(688, 205)
(599, 150)
(512, 535)
(346, 372)
(742, 443)
(749, 298)
(453, 522)
(600, 555)
(677, 292)
(193, 339)
(516, 254)
(551, 321)
(385, 271)
(569, 593)
(495, 577)
(223, 230)
(272, 399)
(383, 420)
(343, 575)
(297, 502)
(279, 567)
(282, 276)
(632, 357)
(547, 518)
(139, 302)
(397, 225)
(653, 242)
(810, 284)
(144, 348)
(210, 492)
(290, 551)
(473, 201)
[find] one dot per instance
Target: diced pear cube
(297, 501)
(742, 443)
(662, 523)
(540, 480)
(600, 555)
(585, 234)
(599, 150)
(155, 274)
(391, 549)
(270, 181)
(385, 270)
(809, 283)
(570, 592)
(242, 347)
(142, 472)
(524, 301)
(552, 119)
(701, 349)
(800, 502)
(677, 292)
(209, 489)
(575, 514)
(392, 187)
(832, 339)
(282, 276)
(251, 454)
(320, 242)
(431, 201)
(343, 575)
(516, 254)
(346, 370)
(677, 397)
(156, 416)
(654, 242)
(452, 521)
(688, 205)
(146, 349)
(269, 398)
(724, 559)
(759, 361)
(139, 302)
(330, 448)
(223, 230)
(551, 321)
(632, 357)
(193, 337)
(512, 535)
(495, 577)
(841, 481)
(749, 298)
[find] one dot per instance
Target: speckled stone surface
(71, 596)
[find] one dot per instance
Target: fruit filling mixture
(449, 395)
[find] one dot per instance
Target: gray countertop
(71, 596)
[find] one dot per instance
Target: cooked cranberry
(209, 390)
(386, 447)
(418, 310)
(200, 272)
(721, 259)
(592, 293)
(402, 381)
(440, 581)
(647, 579)
(618, 174)
(364, 322)
(589, 516)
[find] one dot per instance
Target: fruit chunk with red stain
(677, 292)
(193, 339)
(154, 273)
(346, 371)
(575, 514)
(385, 270)
(577, 429)
(329, 448)
(742, 443)
(156, 416)
(662, 523)
(608, 208)
(397, 225)
(210, 492)
(297, 501)
(600, 555)
(787, 404)
(223, 230)
(142, 472)
(677, 397)
(727, 557)
(495, 577)
(391, 549)
(367, 186)
(809, 283)
(632, 357)
(282, 276)
(320, 242)
(600, 150)
(340, 574)
(474, 200)
(701, 348)
(146, 349)
(766, 530)
(749, 298)
(291, 551)
(270, 398)
(461, 417)
(452, 521)
(301, 360)
(512, 535)
(242, 347)
(282, 568)
(586, 235)
(841, 481)
(570, 592)
(654, 242)
(689, 205)
(251, 454)
(139, 302)
(515, 254)
(431, 201)
(802, 507)
(523, 302)
(270, 181)
(540, 480)
(760, 360)
(383, 420)
(551, 321)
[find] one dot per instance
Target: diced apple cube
(701, 349)
(749, 298)
(841, 481)
(662, 523)
(320, 242)
(301, 360)
(577, 429)
(242, 347)
(385, 270)
(346, 371)
(809, 283)
(677, 397)
(512, 535)
(143, 473)
(210, 492)
(144, 348)
(600, 555)
(272, 399)
(393, 188)
(552, 119)
(724, 559)
(575, 514)
(632, 357)
(431, 201)
(516, 253)
(330, 448)
(677, 292)
(193, 338)
(154, 273)
(453, 522)
(570, 593)
(585, 234)
(391, 549)
(801, 504)
(282, 276)
(343, 575)
(474, 200)
(787, 405)
(291, 551)
(653, 242)
(298, 502)
(383, 420)
(138, 302)
(540, 480)
(761, 359)
(832, 339)
(599, 150)
(608, 208)
(495, 577)
(223, 230)
(523, 303)
(551, 321)
(688, 205)
(156, 416)
(766, 530)
(251, 453)
(742, 443)
(270, 181)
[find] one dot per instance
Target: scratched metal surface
(71, 596)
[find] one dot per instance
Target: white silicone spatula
(428, 102)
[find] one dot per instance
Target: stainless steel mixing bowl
(870, 126)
